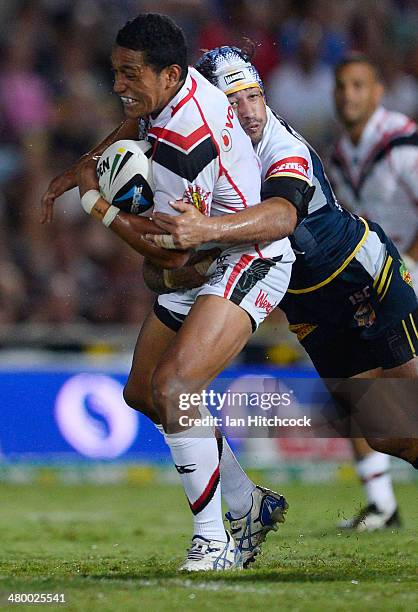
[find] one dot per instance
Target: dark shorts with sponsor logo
(364, 318)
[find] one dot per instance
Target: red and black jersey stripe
(187, 165)
(378, 154)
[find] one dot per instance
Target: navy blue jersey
(328, 237)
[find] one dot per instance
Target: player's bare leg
(379, 407)
(403, 447)
(360, 448)
(153, 340)
(373, 466)
(237, 489)
(373, 469)
(196, 354)
(213, 333)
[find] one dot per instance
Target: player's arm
(128, 129)
(270, 220)
(188, 277)
(126, 226)
(285, 203)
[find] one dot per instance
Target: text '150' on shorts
(254, 283)
(365, 318)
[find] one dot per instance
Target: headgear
(228, 69)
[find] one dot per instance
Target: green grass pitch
(116, 547)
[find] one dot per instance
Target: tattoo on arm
(167, 281)
(154, 278)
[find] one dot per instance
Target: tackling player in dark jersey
(349, 301)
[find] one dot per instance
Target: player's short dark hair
(355, 57)
(159, 39)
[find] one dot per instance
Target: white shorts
(254, 283)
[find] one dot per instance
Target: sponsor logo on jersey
(360, 296)
(198, 197)
(263, 302)
(226, 140)
(365, 316)
(405, 273)
(299, 166)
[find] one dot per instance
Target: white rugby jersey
(378, 177)
(201, 153)
(284, 153)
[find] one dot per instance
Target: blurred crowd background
(56, 102)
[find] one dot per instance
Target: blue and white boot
(249, 532)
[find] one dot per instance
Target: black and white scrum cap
(227, 68)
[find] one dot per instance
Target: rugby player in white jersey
(349, 301)
(199, 152)
(374, 172)
(374, 165)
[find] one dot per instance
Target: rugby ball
(125, 177)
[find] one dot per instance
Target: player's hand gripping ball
(125, 176)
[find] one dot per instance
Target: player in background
(199, 152)
(374, 172)
(374, 165)
(349, 301)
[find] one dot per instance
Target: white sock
(196, 457)
(236, 487)
(373, 471)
